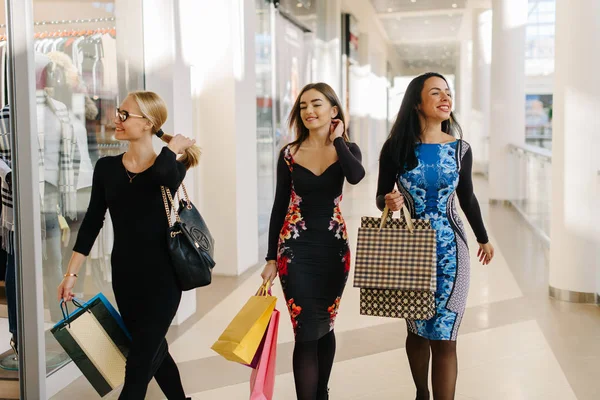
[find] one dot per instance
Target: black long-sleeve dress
(430, 190)
(144, 283)
(308, 238)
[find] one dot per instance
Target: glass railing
(540, 136)
(532, 190)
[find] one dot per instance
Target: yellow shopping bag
(241, 339)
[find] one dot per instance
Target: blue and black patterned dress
(430, 190)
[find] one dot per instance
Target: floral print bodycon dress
(308, 238)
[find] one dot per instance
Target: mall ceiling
(424, 32)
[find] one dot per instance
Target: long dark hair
(406, 131)
(295, 120)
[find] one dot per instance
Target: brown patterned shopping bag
(396, 267)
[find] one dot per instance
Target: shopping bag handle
(64, 309)
(264, 289)
(405, 212)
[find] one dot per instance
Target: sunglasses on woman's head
(123, 115)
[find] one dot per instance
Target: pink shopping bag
(262, 379)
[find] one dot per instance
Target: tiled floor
(484, 364)
(515, 343)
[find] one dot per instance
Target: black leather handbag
(190, 243)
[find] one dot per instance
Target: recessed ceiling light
(413, 1)
(299, 5)
(454, 5)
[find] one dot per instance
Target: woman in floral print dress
(432, 169)
(308, 242)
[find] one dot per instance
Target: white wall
(574, 262)
(218, 43)
(168, 75)
(368, 84)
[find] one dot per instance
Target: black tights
(444, 366)
(142, 365)
(312, 362)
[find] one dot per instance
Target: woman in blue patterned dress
(432, 168)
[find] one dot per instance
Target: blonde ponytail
(154, 108)
(190, 157)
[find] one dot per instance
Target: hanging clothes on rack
(72, 119)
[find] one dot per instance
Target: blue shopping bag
(96, 339)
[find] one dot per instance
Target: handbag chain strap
(166, 194)
(168, 198)
(185, 197)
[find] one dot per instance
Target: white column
(218, 42)
(574, 264)
(481, 63)
(328, 44)
(507, 91)
(130, 52)
(167, 74)
(480, 112)
(464, 77)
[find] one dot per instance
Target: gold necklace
(131, 178)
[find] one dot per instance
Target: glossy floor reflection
(515, 343)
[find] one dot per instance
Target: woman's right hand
(65, 289)
(269, 272)
(394, 200)
(179, 143)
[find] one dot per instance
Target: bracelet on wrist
(67, 275)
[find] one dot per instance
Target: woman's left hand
(336, 129)
(485, 253)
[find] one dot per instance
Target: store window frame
(21, 82)
(30, 308)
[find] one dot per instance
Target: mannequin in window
(61, 163)
(7, 223)
(68, 88)
(58, 173)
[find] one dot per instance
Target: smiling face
(436, 100)
(315, 110)
(135, 125)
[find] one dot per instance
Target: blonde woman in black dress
(144, 283)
